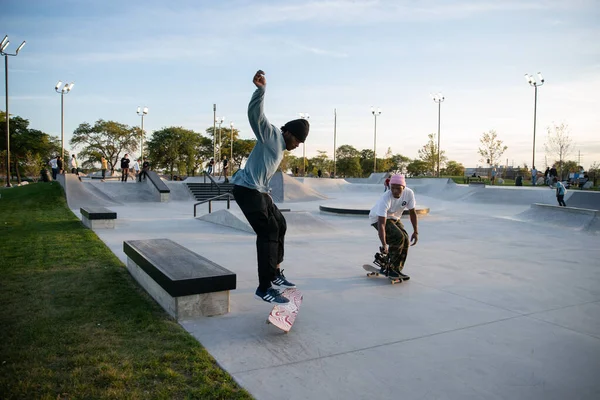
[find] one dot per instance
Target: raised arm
(256, 116)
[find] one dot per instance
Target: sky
(180, 57)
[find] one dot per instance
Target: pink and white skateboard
(284, 315)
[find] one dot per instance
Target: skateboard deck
(374, 271)
(283, 316)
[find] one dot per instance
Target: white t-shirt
(390, 207)
(53, 163)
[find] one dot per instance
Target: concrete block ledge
(98, 217)
(184, 283)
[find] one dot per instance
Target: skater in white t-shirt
(385, 217)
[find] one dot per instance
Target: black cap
(299, 128)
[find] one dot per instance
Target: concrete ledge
(568, 210)
(184, 283)
(98, 217)
(162, 190)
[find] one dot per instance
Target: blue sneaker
(280, 281)
(271, 296)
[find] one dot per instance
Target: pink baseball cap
(398, 180)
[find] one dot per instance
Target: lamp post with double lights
(533, 82)
(3, 45)
(141, 112)
(439, 99)
(219, 120)
(306, 117)
(375, 113)
(63, 89)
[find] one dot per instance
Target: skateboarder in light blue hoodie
(251, 191)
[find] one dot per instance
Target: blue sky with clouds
(180, 57)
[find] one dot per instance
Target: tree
(106, 139)
(454, 168)
(492, 148)
(417, 167)
(321, 162)
(348, 161)
(558, 144)
(24, 140)
(398, 163)
(175, 149)
(429, 155)
(242, 149)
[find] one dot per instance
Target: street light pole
(307, 117)
(219, 121)
(63, 89)
(439, 99)
(532, 82)
(141, 112)
(214, 136)
(375, 114)
(231, 145)
(334, 138)
(3, 45)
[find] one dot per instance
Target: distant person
(59, 163)
(385, 217)
(75, 166)
(54, 166)
(251, 191)
(493, 175)
(125, 167)
(225, 168)
(136, 168)
(104, 167)
(560, 192)
(145, 169)
(533, 175)
(547, 176)
(553, 173)
(211, 163)
(386, 184)
(296, 171)
(319, 173)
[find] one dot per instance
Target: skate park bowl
(357, 210)
(579, 219)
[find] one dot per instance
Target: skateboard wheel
(267, 322)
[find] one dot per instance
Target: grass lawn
(75, 325)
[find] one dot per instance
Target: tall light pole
(3, 45)
(307, 117)
(532, 82)
(219, 121)
(63, 89)
(334, 137)
(439, 99)
(375, 114)
(231, 145)
(214, 136)
(141, 112)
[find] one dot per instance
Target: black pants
(103, 174)
(270, 227)
(561, 200)
(144, 174)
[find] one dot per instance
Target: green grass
(74, 324)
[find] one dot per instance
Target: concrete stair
(204, 191)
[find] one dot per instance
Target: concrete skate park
(503, 301)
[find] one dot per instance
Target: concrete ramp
(286, 188)
(298, 222)
(230, 218)
(512, 195)
(580, 219)
(582, 199)
(79, 196)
